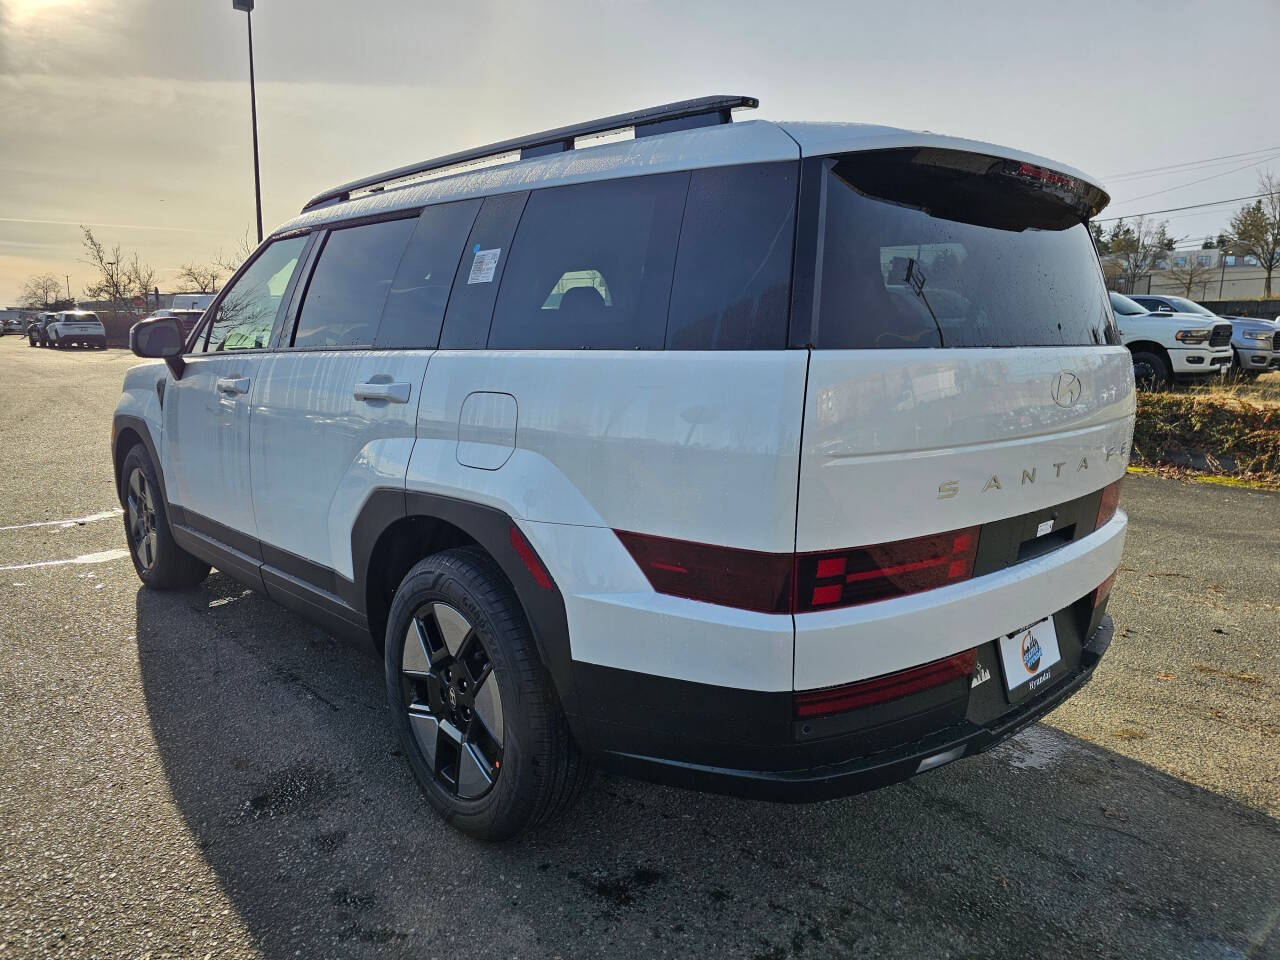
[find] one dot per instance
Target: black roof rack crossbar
(682, 115)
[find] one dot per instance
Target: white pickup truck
(1171, 346)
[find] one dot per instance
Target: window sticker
(484, 265)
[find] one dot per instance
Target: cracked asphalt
(205, 774)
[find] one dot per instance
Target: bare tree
(1255, 229)
(1137, 246)
(115, 280)
(1191, 272)
(199, 277)
(230, 262)
(41, 291)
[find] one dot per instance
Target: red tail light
(746, 579)
(844, 578)
(1101, 594)
(787, 583)
(1110, 503)
(892, 686)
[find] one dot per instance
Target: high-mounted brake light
(1029, 171)
(1109, 504)
(791, 583)
(892, 686)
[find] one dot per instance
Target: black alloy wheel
(140, 516)
(453, 701)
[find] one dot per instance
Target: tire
(1150, 371)
(32, 342)
(160, 563)
(492, 760)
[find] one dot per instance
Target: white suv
(1168, 346)
(766, 458)
(71, 327)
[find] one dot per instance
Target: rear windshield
(936, 249)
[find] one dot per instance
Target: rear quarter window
(733, 269)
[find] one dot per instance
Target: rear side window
(247, 311)
(733, 269)
(937, 249)
(591, 267)
(350, 283)
(475, 285)
(420, 292)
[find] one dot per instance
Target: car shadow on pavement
(277, 749)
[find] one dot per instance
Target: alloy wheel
(141, 510)
(452, 699)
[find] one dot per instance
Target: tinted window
(475, 285)
(1125, 307)
(591, 266)
(928, 249)
(733, 269)
(247, 312)
(350, 283)
(420, 292)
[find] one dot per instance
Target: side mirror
(160, 338)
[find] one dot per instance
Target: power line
(1193, 206)
(1188, 163)
(1212, 176)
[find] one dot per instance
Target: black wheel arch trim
(491, 529)
(121, 424)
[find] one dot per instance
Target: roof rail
(667, 118)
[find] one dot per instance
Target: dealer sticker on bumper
(1028, 656)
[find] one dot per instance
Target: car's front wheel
(161, 564)
(474, 707)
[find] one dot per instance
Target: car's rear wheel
(473, 705)
(1150, 372)
(160, 563)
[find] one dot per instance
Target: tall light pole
(247, 7)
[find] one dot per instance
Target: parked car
(72, 327)
(187, 319)
(1255, 346)
(38, 330)
(1169, 346)
(666, 455)
(12, 325)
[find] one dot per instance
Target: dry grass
(1227, 430)
(1263, 390)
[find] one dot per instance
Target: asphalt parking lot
(205, 774)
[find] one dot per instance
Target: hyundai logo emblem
(1066, 389)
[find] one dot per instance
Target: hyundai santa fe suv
(773, 459)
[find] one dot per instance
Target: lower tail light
(1101, 594)
(892, 686)
(1110, 503)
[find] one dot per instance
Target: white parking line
(77, 521)
(101, 557)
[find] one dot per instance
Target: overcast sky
(133, 115)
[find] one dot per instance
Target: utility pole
(247, 7)
(68, 288)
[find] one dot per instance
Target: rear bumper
(802, 783)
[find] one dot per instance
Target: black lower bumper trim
(870, 772)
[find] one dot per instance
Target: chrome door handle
(391, 392)
(233, 385)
